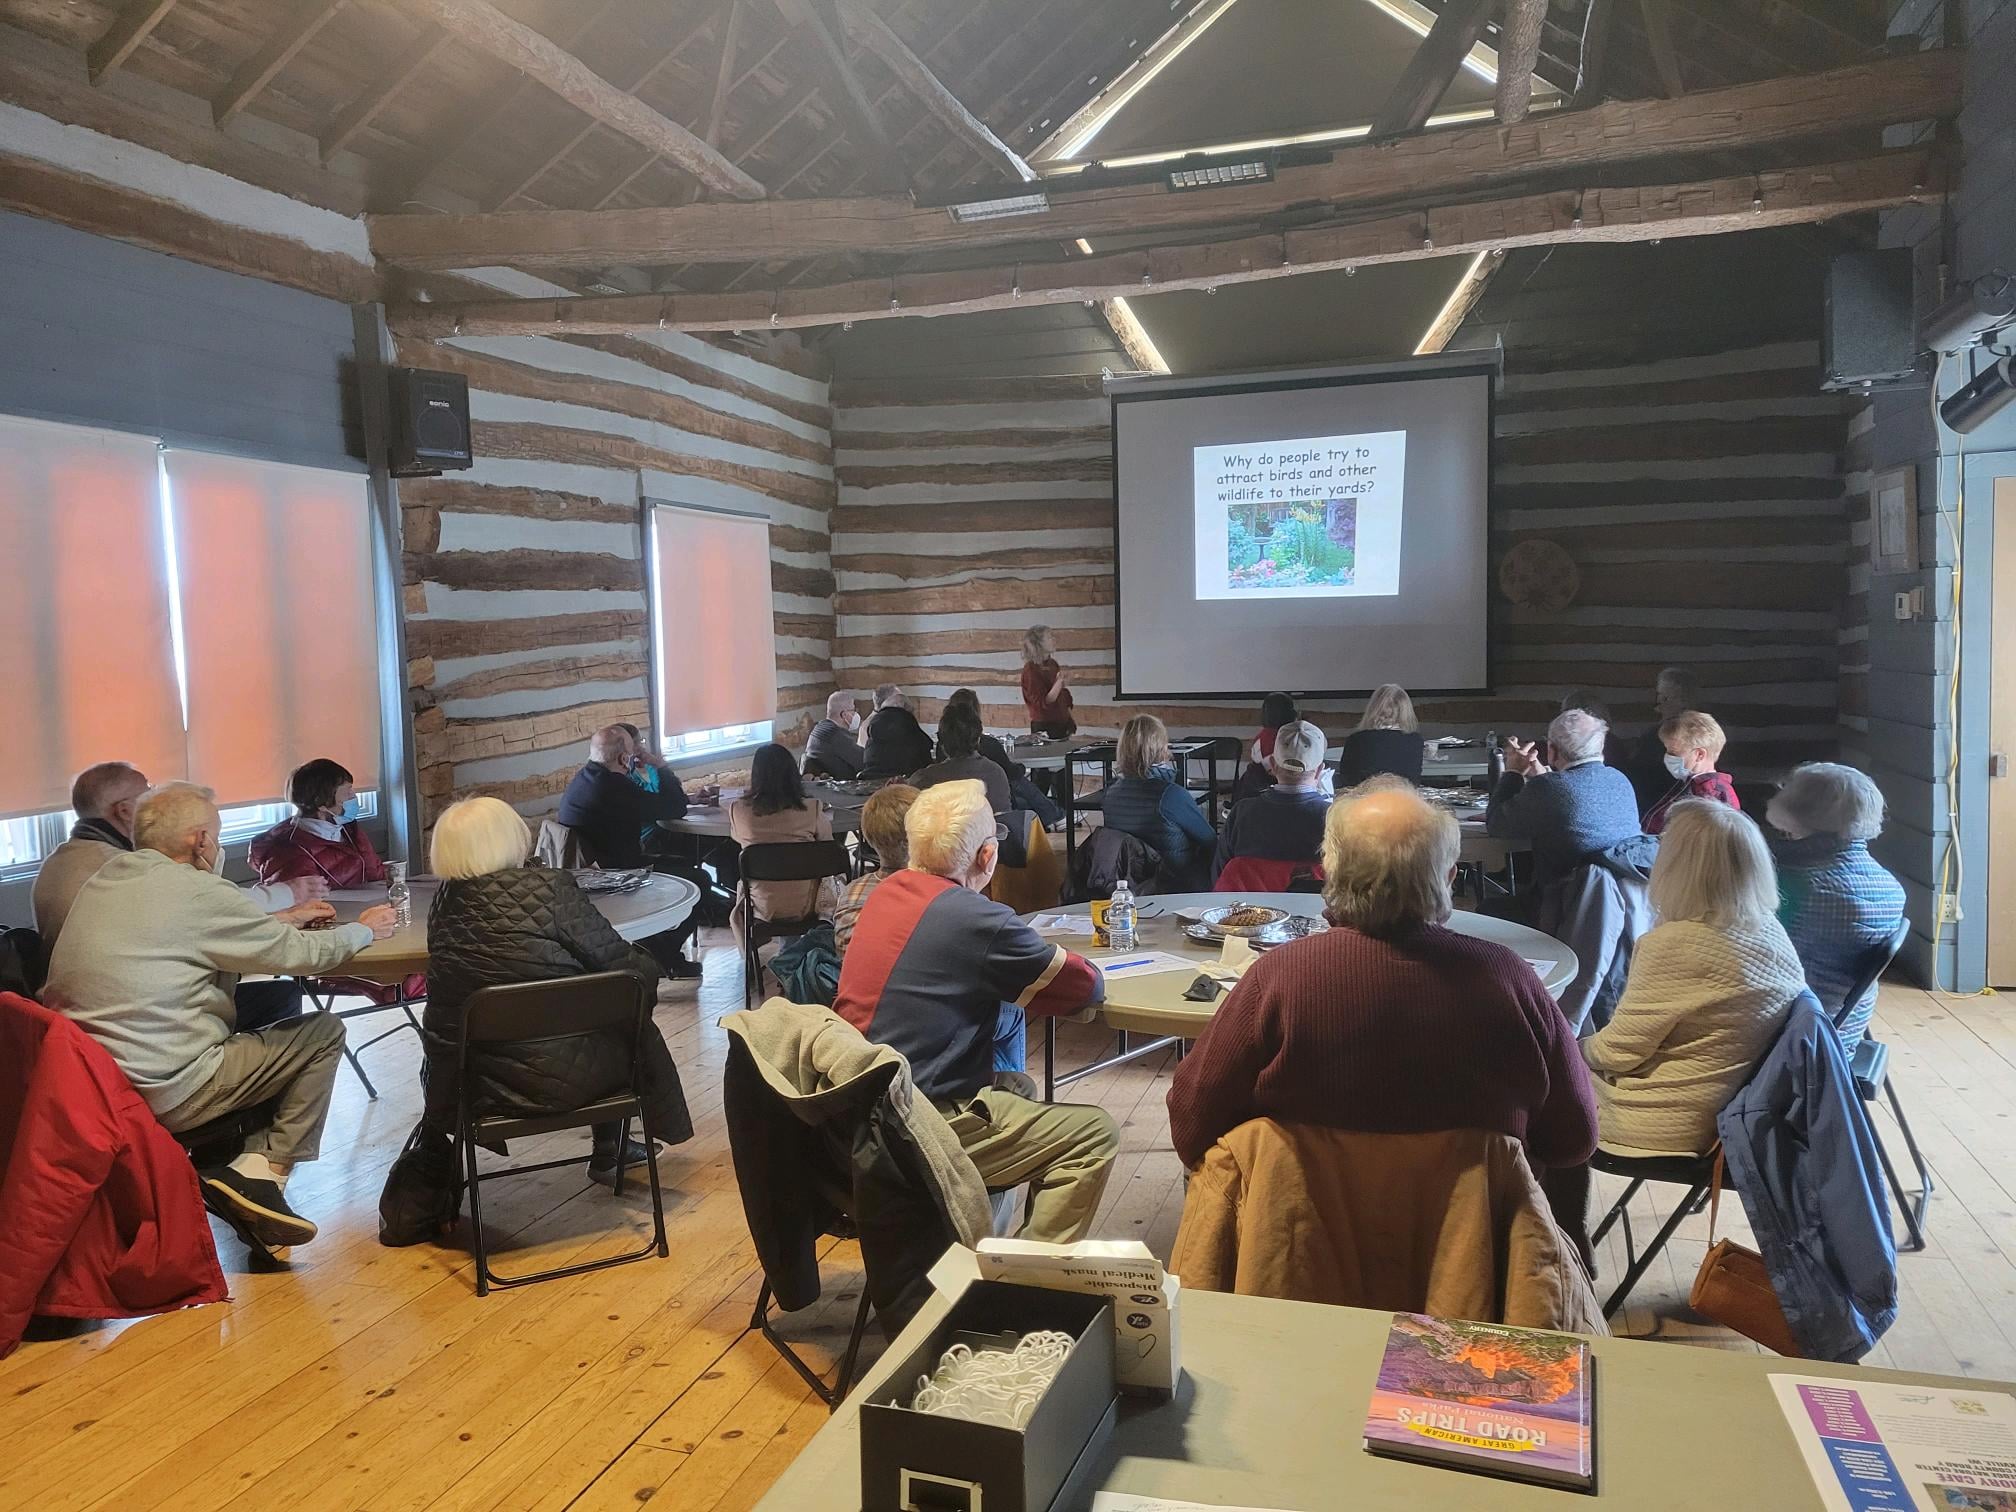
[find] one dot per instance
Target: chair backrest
(563, 1008)
(1030, 875)
(794, 861)
(1251, 874)
(24, 964)
(559, 846)
(1875, 962)
(1108, 854)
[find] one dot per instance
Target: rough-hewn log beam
(365, 109)
(818, 20)
(1462, 300)
(1518, 55)
(1429, 72)
(724, 73)
(1594, 51)
(1442, 163)
(483, 26)
(264, 66)
(132, 27)
(1773, 197)
(1659, 38)
(879, 38)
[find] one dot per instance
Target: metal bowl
(1213, 919)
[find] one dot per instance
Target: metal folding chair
(1870, 1064)
(564, 1009)
(788, 861)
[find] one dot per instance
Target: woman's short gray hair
(1713, 868)
(1827, 798)
(1386, 859)
(476, 837)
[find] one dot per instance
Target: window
(713, 637)
(199, 616)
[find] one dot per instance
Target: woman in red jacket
(1044, 695)
(323, 839)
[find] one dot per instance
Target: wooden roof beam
(822, 22)
(1518, 56)
(264, 66)
(1659, 38)
(1748, 201)
(1432, 68)
(879, 38)
(1460, 160)
(488, 29)
(374, 97)
(122, 38)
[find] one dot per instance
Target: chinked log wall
(1700, 497)
(525, 586)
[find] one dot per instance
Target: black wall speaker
(430, 422)
(1868, 333)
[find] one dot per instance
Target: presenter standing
(1043, 692)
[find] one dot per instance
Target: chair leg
(1617, 1211)
(475, 1211)
(831, 1395)
(1644, 1262)
(657, 1193)
(622, 1148)
(358, 1066)
(1913, 1210)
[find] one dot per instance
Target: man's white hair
(169, 814)
(606, 743)
(946, 827)
(838, 705)
(1386, 858)
(1576, 735)
(476, 837)
(1827, 798)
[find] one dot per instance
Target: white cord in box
(995, 1386)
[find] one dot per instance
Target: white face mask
(1677, 765)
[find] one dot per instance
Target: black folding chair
(543, 1012)
(1870, 1064)
(788, 861)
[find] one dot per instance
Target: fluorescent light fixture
(1148, 66)
(1211, 175)
(1435, 337)
(1417, 18)
(1468, 117)
(1005, 208)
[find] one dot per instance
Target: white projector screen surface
(1304, 534)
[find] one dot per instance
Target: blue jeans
(1011, 1040)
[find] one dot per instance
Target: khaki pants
(292, 1065)
(1063, 1150)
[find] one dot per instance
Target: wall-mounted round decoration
(1539, 575)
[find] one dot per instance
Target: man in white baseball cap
(1284, 823)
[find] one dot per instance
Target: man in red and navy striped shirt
(930, 966)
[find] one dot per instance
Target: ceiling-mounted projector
(1979, 306)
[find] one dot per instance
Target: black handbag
(423, 1191)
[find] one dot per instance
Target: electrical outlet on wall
(1949, 911)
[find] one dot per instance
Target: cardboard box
(930, 1460)
(1147, 1349)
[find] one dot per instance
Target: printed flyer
(1878, 1447)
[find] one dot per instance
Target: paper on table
(1121, 1501)
(1879, 1444)
(1542, 967)
(1119, 967)
(1062, 923)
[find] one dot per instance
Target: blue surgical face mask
(348, 814)
(1677, 766)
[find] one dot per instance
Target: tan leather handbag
(1733, 1287)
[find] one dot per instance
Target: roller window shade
(87, 658)
(279, 622)
(715, 638)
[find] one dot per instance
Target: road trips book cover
(1514, 1402)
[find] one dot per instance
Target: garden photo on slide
(1300, 543)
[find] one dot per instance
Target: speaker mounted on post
(430, 422)
(1868, 332)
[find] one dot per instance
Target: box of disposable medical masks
(1146, 1353)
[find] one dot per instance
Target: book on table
(1512, 1402)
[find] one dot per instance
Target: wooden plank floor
(373, 1378)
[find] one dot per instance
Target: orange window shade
(716, 638)
(279, 626)
(87, 657)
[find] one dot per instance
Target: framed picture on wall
(1893, 521)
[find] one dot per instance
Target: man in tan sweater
(147, 964)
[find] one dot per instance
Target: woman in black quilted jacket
(496, 921)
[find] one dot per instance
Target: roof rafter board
(1461, 159)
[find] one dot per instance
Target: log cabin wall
(1686, 461)
(525, 586)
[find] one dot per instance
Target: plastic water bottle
(397, 893)
(1120, 917)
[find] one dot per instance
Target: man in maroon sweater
(1390, 1022)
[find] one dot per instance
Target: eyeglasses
(1000, 833)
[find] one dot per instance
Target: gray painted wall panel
(96, 332)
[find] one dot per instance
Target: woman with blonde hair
(1708, 988)
(1044, 695)
(496, 921)
(1147, 802)
(1387, 740)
